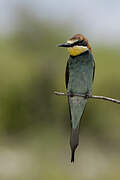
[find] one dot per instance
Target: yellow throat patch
(76, 50)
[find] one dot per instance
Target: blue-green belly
(80, 81)
(81, 73)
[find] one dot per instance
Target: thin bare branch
(89, 96)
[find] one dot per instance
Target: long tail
(76, 107)
(74, 141)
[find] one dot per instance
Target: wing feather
(67, 75)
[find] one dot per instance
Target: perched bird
(79, 78)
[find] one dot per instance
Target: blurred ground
(46, 155)
(34, 123)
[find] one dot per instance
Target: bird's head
(76, 45)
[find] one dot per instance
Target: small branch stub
(89, 96)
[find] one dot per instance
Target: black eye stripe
(83, 43)
(79, 43)
(75, 43)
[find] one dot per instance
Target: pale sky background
(100, 18)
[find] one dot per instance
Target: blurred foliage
(29, 74)
(31, 68)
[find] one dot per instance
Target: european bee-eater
(79, 79)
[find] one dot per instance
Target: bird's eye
(79, 43)
(83, 43)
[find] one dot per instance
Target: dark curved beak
(64, 45)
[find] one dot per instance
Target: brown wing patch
(93, 71)
(81, 37)
(67, 76)
(66, 82)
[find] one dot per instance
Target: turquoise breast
(81, 73)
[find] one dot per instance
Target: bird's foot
(69, 93)
(86, 96)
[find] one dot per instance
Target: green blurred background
(34, 123)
